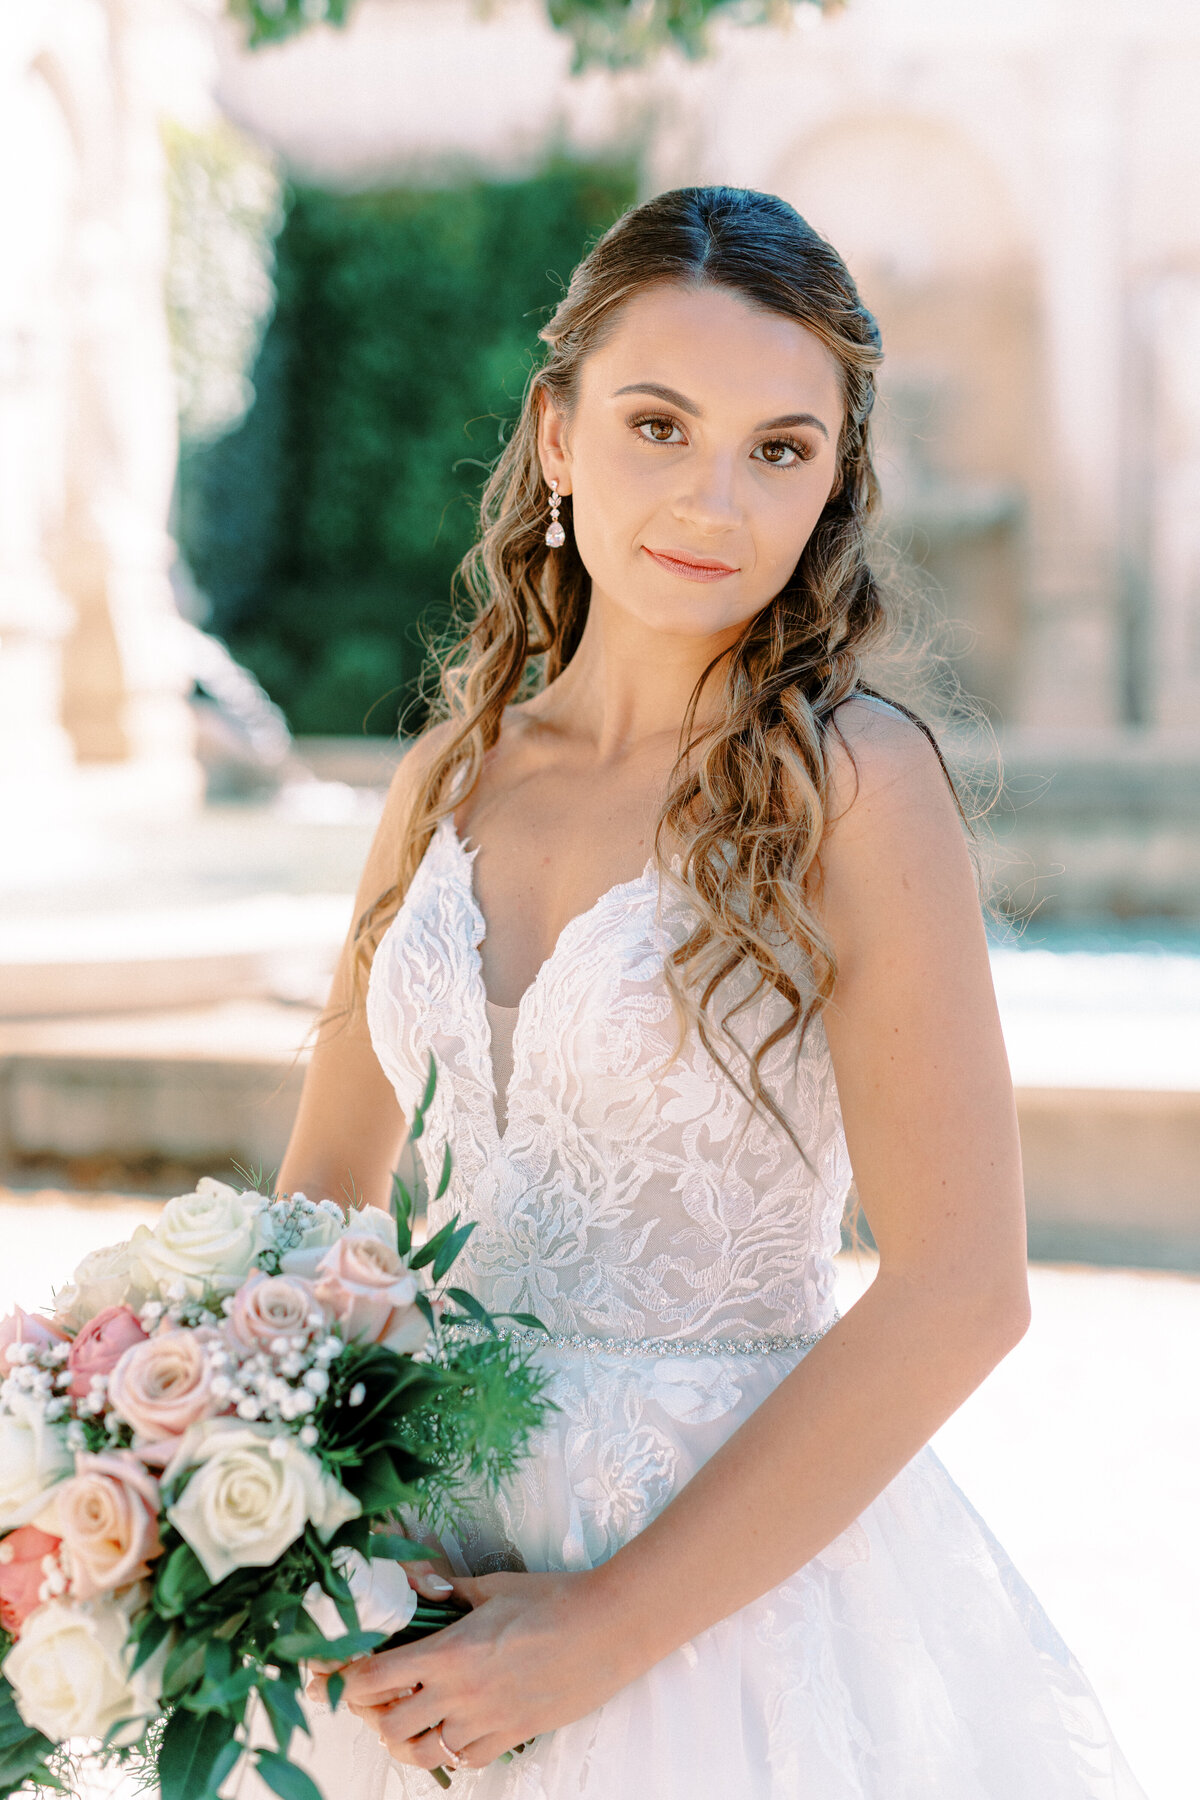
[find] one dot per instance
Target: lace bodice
(631, 1193)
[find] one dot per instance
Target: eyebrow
(673, 397)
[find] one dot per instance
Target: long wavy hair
(747, 803)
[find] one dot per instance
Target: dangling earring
(556, 537)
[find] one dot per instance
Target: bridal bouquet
(207, 1448)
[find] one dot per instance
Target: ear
(553, 453)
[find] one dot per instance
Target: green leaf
(375, 1484)
(152, 1632)
(530, 1320)
(402, 1212)
(475, 1308)
(188, 1755)
(23, 1759)
(434, 1249)
(447, 1170)
(284, 1778)
(283, 1710)
(335, 1687)
(181, 1581)
(307, 1646)
(185, 1664)
(387, 1547)
(449, 1251)
(224, 1766)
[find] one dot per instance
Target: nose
(708, 502)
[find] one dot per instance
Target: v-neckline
(467, 853)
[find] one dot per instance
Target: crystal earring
(556, 537)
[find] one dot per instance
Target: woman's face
(700, 453)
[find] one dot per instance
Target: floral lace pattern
(632, 1193)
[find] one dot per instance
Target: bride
(685, 914)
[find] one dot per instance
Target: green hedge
(326, 528)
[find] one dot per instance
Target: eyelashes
(643, 426)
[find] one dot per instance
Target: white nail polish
(439, 1584)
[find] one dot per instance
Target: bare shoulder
(875, 751)
(894, 837)
(411, 770)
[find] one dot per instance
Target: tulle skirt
(908, 1661)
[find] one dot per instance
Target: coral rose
(162, 1386)
(107, 1517)
(370, 1293)
(101, 1344)
(26, 1328)
(22, 1555)
(271, 1306)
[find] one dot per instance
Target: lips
(691, 568)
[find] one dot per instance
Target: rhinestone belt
(598, 1346)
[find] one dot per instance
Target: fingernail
(439, 1584)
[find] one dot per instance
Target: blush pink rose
(27, 1328)
(107, 1516)
(22, 1554)
(162, 1386)
(266, 1307)
(370, 1293)
(99, 1347)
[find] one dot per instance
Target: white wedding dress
(681, 1254)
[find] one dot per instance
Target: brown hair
(747, 801)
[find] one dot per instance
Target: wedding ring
(453, 1757)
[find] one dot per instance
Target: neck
(628, 684)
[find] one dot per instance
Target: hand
(536, 1652)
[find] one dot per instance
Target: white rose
(105, 1277)
(252, 1492)
(208, 1239)
(380, 1589)
(69, 1670)
(33, 1459)
(372, 1221)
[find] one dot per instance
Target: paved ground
(1081, 1452)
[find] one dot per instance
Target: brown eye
(658, 430)
(780, 453)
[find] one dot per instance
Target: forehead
(721, 351)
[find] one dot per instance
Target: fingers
(431, 1579)
(407, 1716)
(374, 1680)
(426, 1751)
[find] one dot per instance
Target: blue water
(1125, 937)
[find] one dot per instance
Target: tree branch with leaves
(607, 33)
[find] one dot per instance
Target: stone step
(1111, 1171)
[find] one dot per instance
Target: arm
(349, 1129)
(931, 1125)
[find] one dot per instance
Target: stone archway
(930, 234)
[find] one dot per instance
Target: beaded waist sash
(598, 1346)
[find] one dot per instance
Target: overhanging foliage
(615, 33)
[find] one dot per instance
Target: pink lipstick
(691, 568)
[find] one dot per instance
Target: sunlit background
(269, 290)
